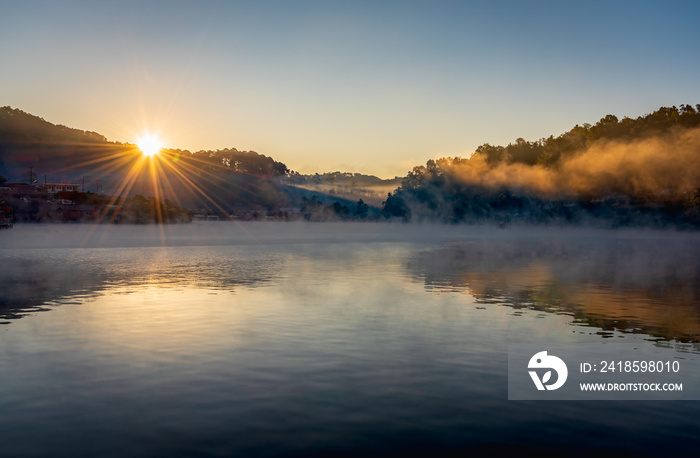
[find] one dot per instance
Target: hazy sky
(374, 87)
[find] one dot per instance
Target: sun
(149, 145)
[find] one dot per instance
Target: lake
(283, 339)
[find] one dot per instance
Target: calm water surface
(267, 339)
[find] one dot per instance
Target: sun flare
(149, 145)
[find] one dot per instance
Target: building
(53, 188)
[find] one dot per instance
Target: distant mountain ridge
(345, 185)
(344, 178)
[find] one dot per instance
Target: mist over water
(269, 339)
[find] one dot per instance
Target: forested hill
(219, 179)
(58, 152)
(16, 126)
(553, 150)
(625, 171)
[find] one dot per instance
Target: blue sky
(373, 87)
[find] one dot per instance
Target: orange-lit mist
(662, 165)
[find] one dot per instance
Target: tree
(341, 211)
(394, 206)
(492, 154)
(361, 209)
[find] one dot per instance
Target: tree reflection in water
(638, 284)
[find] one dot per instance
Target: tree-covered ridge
(618, 170)
(221, 179)
(246, 162)
(28, 140)
(22, 132)
(16, 125)
(550, 151)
